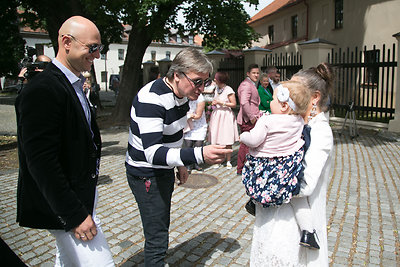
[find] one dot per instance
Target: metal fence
(367, 79)
(287, 64)
(234, 66)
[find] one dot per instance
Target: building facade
(347, 23)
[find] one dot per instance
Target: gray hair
(190, 59)
(263, 75)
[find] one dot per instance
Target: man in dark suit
(59, 151)
(249, 101)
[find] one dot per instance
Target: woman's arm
(316, 157)
(199, 111)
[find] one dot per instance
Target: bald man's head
(79, 43)
(43, 58)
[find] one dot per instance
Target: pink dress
(222, 126)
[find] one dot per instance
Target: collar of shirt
(72, 78)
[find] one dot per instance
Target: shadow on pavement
(196, 251)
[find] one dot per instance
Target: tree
(222, 23)
(12, 45)
(51, 14)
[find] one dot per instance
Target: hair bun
(325, 71)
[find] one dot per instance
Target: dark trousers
(243, 149)
(154, 207)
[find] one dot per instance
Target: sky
(254, 10)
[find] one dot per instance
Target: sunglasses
(198, 82)
(92, 48)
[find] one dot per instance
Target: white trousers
(75, 252)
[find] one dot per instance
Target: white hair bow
(284, 96)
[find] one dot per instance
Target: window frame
(338, 14)
(294, 24)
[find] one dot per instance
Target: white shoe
(228, 165)
(215, 166)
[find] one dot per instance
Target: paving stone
(212, 223)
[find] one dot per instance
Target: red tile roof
(272, 8)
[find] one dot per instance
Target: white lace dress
(276, 235)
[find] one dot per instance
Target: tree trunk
(129, 84)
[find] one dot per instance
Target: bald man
(59, 151)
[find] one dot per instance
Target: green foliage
(12, 45)
(223, 23)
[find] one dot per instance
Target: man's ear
(66, 42)
(176, 77)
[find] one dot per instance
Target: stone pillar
(254, 55)
(394, 125)
(315, 52)
(146, 70)
(164, 65)
(216, 57)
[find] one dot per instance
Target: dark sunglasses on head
(198, 82)
(92, 47)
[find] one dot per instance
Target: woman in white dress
(276, 235)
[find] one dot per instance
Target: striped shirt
(155, 132)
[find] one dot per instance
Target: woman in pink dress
(223, 127)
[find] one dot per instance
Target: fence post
(394, 125)
(146, 70)
(215, 57)
(254, 55)
(164, 65)
(315, 51)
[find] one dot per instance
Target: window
(120, 54)
(153, 56)
(294, 26)
(271, 33)
(104, 76)
(338, 14)
(168, 54)
(372, 70)
(190, 39)
(178, 39)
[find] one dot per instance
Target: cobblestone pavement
(209, 226)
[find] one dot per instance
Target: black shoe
(308, 240)
(251, 207)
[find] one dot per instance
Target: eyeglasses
(198, 82)
(92, 47)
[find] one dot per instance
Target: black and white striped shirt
(155, 132)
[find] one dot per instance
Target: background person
(59, 151)
(276, 234)
(249, 101)
(272, 74)
(222, 126)
(197, 127)
(158, 116)
(25, 75)
(265, 92)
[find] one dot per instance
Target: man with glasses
(59, 151)
(158, 116)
